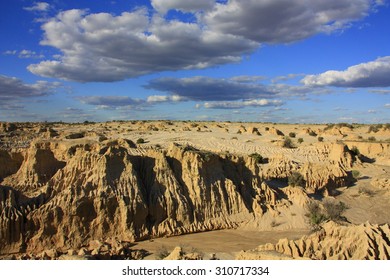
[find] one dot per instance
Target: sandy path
(225, 243)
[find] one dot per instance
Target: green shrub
(315, 215)
(320, 139)
(374, 128)
(300, 140)
(287, 142)
(140, 141)
(330, 210)
(355, 151)
(371, 139)
(296, 179)
(334, 211)
(292, 134)
(257, 157)
(355, 174)
(312, 133)
(162, 253)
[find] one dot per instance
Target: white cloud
(242, 104)
(247, 79)
(14, 93)
(11, 87)
(211, 89)
(282, 21)
(29, 54)
(140, 42)
(38, 7)
(380, 91)
(104, 47)
(24, 54)
(370, 74)
(387, 105)
(162, 6)
(9, 52)
(111, 102)
(164, 98)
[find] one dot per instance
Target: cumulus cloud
(210, 89)
(14, 92)
(380, 91)
(38, 7)
(111, 102)
(284, 21)
(105, 47)
(24, 54)
(247, 79)
(242, 104)
(14, 88)
(164, 98)
(370, 74)
(162, 6)
(387, 105)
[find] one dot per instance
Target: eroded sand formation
(64, 187)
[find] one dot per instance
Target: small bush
(355, 151)
(266, 128)
(300, 140)
(257, 157)
(320, 139)
(315, 215)
(296, 180)
(292, 134)
(162, 253)
(312, 133)
(371, 139)
(287, 142)
(330, 210)
(355, 174)
(140, 141)
(334, 211)
(366, 191)
(374, 128)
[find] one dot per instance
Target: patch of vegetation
(334, 211)
(355, 151)
(274, 223)
(312, 133)
(257, 157)
(162, 253)
(300, 140)
(355, 174)
(292, 134)
(374, 128)
(320, 139)
(205, 155)
(266, 128)
(371, 139)
(288, 143)
(365, 191)
(140, 141)
(338, 125)
(317, 214)
(296, 179)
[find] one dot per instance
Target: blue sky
(304, 61)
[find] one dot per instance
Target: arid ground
(194, 190)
